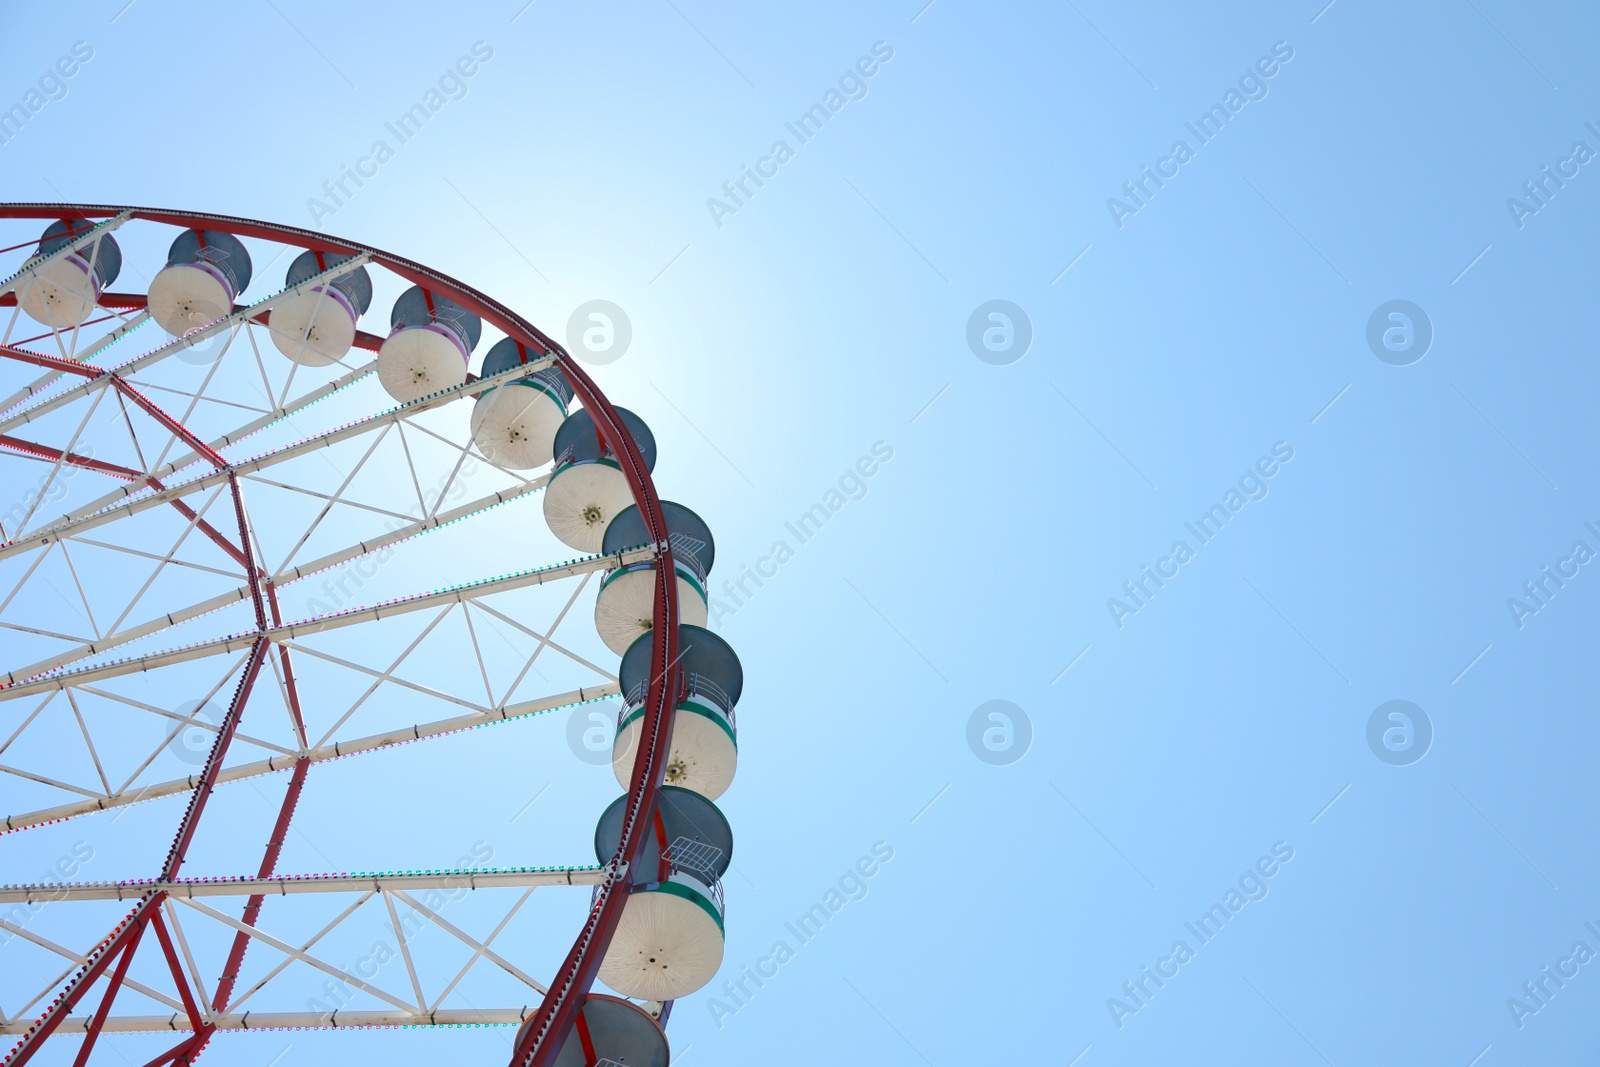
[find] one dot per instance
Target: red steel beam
(65, 366)
(182, 432)
(178, 977)
(187, 1052)
(53, 333)
(288, 668)
(181, 1048)
(269, 862)
(91, 1033)
(33, 448)
(124, 301)
(216, 536)
(80, 982)
(250, 569)
(219, 749)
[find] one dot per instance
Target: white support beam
(178, 1022)
(420, 881)
(22, 686)
(104, 510)
(479, 947)
(284, 577)
(370, 743)
(258, 934)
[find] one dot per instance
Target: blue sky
(1173, 347)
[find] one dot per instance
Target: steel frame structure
(195, 1014)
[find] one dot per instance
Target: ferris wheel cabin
(705, 748)
(610, 1030)
(669, 941)
(431, 341)
(206, 271)
(514, 424)
(317, 326)
(64, 291)
(587, 488)
(625, 607)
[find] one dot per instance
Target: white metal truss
(178, 1022)
(189, 888)
(412, 903)
(287, 632)
(104, 510)
(335, 750)
(283, 577)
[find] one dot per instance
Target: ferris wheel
(247, 537)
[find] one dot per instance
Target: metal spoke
(331, 500)
(34, 714)
(188, 957)
(405, 952)
(305, 947)
(127, 420)
(466, 939)
(466, 449)
(55, 468)
(42, 780)
(141, 554)
(38, 632)
(444, 491)
(488, 691)
(88, 611)
(20, 684)
(232, 669)
(478, 953)
(395, 736)
(385, 676)
(99, 512)
(189, 527)
(23, 580)
(289, 950)
(83, 727)
(266, 382)
(545, 639)
(152, 387)
(288, 703)
(305, 570)
(411, 467)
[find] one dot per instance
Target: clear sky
(1205, 326)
